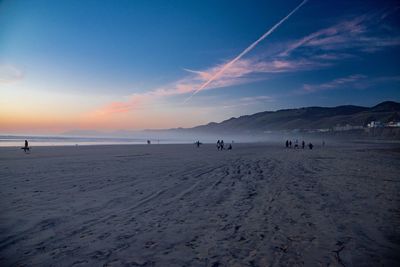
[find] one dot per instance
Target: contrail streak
(244, 52)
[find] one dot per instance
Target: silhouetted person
(198, 143)
(287, 143)
(230, 147)
(290, 143)
(222, 144)
(310, 146)
(26, 146)
(218, 144)
(148, 142)
(303, 144)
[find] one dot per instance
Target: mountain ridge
(305, 118)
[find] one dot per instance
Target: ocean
(18, 141)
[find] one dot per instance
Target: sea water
(18, 141)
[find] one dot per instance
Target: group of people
(296, 144)
(220, 145)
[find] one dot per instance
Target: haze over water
(18, 141)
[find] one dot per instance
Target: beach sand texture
(178, 205)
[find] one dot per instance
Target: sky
(132, 65)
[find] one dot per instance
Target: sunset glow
(74, 65)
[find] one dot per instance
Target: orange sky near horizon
(57, 116)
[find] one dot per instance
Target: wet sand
(176, 205)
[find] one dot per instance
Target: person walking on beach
(303, 144)
(290, 143)
(287, 143)
(310, 145)
(222, 144)
(26, 146)
(218, 144)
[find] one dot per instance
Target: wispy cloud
(361, 33)
(323, 48)
(10, 74)
(242, 72)
(248, 101)
(332, 56)
(334, 84)
(256, 98)
(226, 66)
(354, 81)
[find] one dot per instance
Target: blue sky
(136, 64)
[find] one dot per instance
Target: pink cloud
(135, 101)
(238, 73)
(241, 72)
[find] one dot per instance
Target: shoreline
(316, 142)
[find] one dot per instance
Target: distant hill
(307, 118)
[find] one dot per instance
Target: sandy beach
(178, 205)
